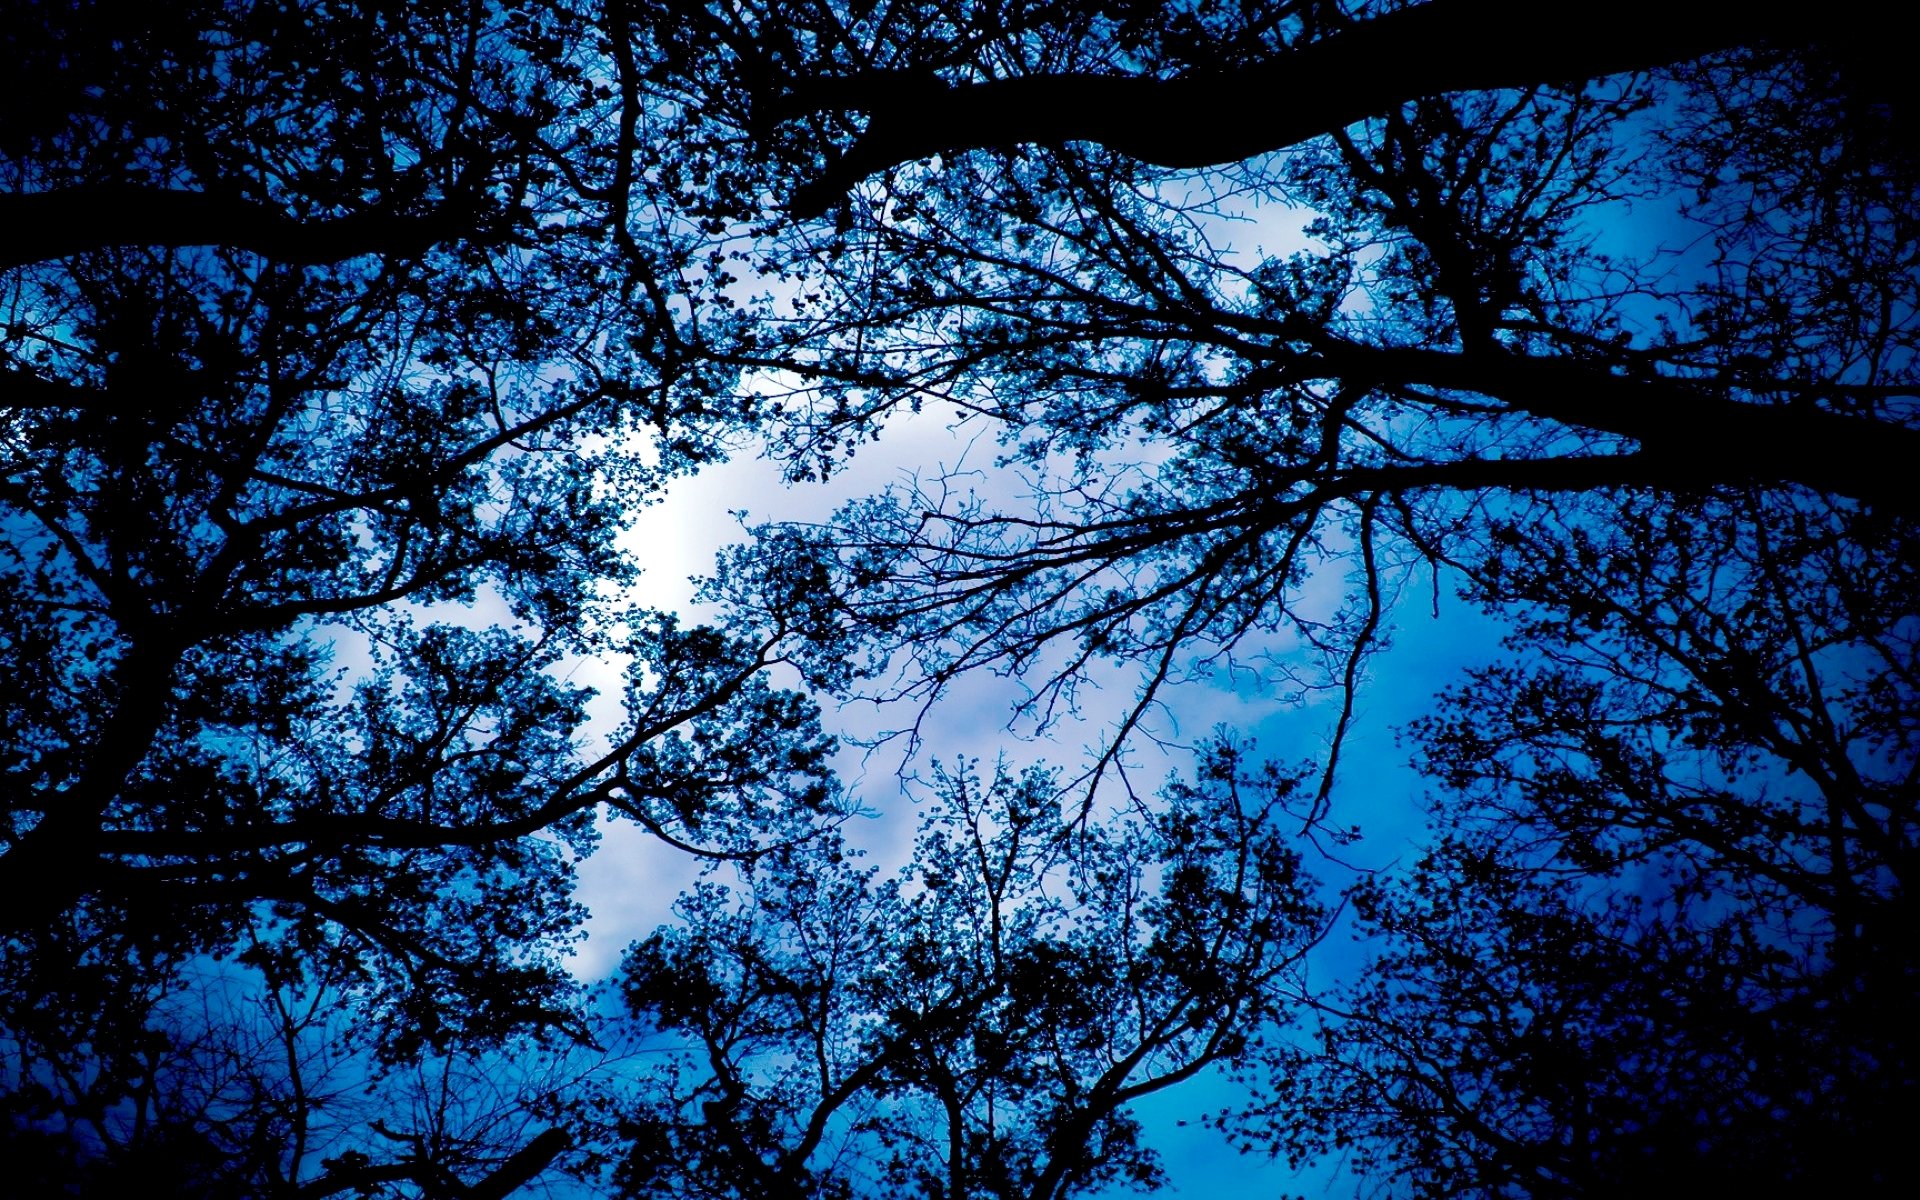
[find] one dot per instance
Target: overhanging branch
(44, 226)
(1199, 120)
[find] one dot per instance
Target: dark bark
(44, 226)
(1199, 120)
(21, 389)
(525, 1163)
(1720, 439)
(56, 861)
(509, 1177)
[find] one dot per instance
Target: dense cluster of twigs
(340, 343)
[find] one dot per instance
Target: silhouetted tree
(1662, 940)
(331, 374)
(340, 340)
(981, 1023)
(1619, 337)
(252, 1089)
(1631, 286)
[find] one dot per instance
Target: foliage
(1666, 923)
(327, 393)
(1201, 430)
(251, 1090)
(1626, 352)
(981, 1022)
(342, 340)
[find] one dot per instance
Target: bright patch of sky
(630, 884)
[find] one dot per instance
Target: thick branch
(1720, 440)
(511, 1175)
(524, 1164)
(22, 389)
(65, 856)
(56, 224)
(1202, 119)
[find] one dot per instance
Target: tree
(353, 334)
(1154, 85)
(1662, 934)
(1619, 338)
(1456, 333)
(331, 374)
(981, 1023)
(1713, 751)
(274, 1090)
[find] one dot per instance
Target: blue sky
(1434, 636)
(631, 882)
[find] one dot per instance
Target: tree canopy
(344, 342)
